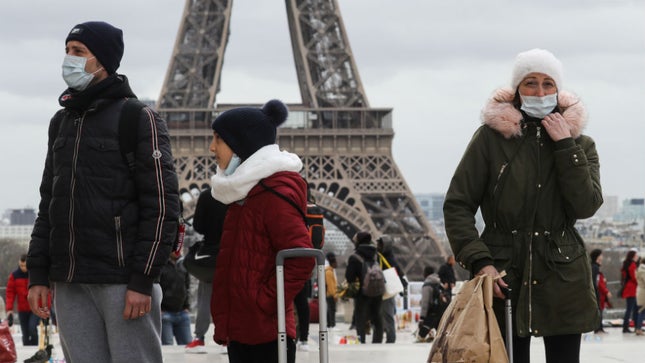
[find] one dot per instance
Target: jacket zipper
(538, 138)
(119, 241)
(78, 122)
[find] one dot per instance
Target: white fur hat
(536, 60)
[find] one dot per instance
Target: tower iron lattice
(345, 145)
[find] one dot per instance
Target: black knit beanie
(103, 40)
(247, 129)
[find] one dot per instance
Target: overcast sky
(434, 62)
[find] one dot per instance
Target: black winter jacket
(98, 222)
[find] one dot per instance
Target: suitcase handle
(300, 252)
(322, 302)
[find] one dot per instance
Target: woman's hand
(491, 271)
(556, 126)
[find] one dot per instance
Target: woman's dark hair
(628, 260)
(594, 255)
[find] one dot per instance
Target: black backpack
(313, 218)
(373, 283)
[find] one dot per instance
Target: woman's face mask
(74, 72)
(539, 107)
(232, 165)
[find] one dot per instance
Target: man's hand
(38, 298)
(492, 272)
(136, 305)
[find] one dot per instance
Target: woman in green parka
(533, 174)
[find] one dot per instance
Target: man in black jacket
(365, 307)
(104, 230)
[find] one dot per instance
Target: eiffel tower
(345, 145)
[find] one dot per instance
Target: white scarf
(267, 161)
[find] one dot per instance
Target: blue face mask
(232, 165)
(74, 72)
(539, 107)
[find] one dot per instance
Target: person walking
(331, 286)
(385, 246)
(640, 296)
(365, 307)
(266, 197)
(208, 220)
(105, 225)
(301, 304)
(447, 275)
(628, 279)
(434, 301)
(175, 303)
(16, 291)
(600, 286)
(532, 173)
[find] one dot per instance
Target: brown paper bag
(468, 330)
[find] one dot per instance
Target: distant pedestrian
(434, 301)
(600, 286)
(17, 290)
(175, 304)
(447, 274)
(640, 296)
(385, 246)
(365, 307)
(331, 285)
(628, 279)
(301, 303)
(208, 221)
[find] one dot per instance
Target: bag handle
(382, 258)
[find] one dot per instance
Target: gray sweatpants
(92, 328)
(203, 316)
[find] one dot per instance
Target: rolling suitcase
(322, 302)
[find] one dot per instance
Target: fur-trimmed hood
(500, 114)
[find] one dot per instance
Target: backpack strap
(284, 197)
(128, 131)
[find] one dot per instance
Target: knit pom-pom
(276, 111)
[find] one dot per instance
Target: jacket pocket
(565, 256)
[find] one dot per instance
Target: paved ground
(610, 348)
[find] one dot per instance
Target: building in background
(18, 224)
(431, 205)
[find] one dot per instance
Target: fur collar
(500, 115)
(265, 162)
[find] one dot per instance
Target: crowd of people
(104, 247)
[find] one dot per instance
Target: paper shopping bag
(468, 330)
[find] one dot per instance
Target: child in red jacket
(266, 199)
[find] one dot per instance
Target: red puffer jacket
(630, 285)
(243, 304)
(17, 288)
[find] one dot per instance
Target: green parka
(531, 191)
